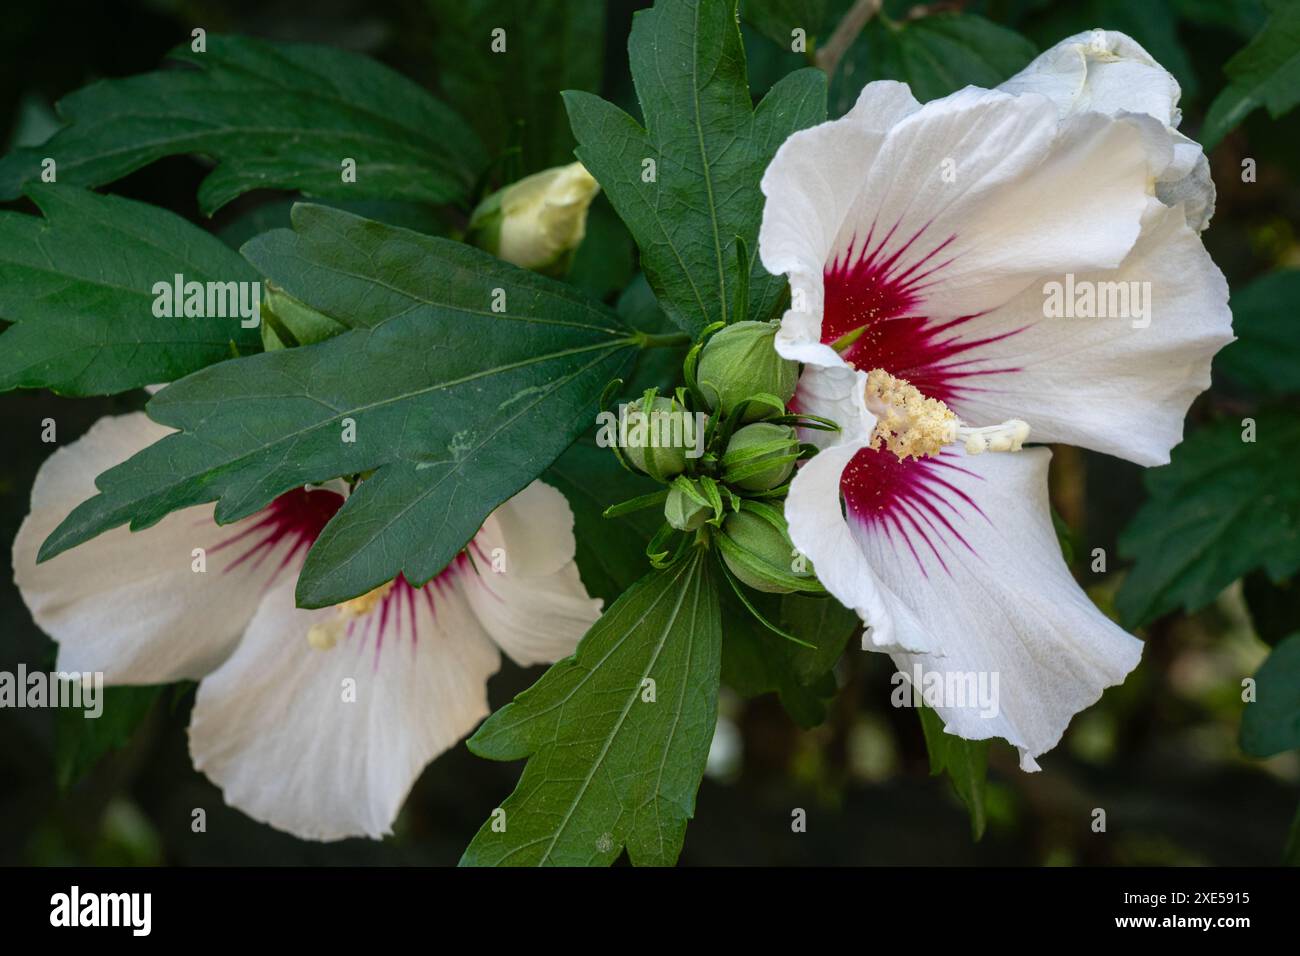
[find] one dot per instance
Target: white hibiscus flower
(919, 242)
(314, 721)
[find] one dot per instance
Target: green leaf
(966, 762)
(935, 56)
(79, 286)
(1271, 723)
(605, 262)
(273, 116)
(611, 551)
(1274, 606)
(1242, 16)
(756, 661)
(709, 147)
(513, 96)
(457, 406)
(1265, 72)
(275, 214)
(1230, 107)
(80, 742)
(777, 19)
(1064, 536)
(1266, 355)
(1221, 508)
(613, 765)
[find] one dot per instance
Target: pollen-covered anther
(326, 634)
(913, 426)
(907, 423)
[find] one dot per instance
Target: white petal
(536, 619)
(820, 531)
(1103, 383)
(974, 556)
(273, 726)
(532, 601)
(126, 603)
(1029, 194)
(809, 185)
(533, 530)
(1102, 71)
(1108, 72)
(956, 210)
(1188, 182)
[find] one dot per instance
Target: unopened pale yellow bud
(539, 221)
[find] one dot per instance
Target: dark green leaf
(458, 406)
(274, 214)
(611, 763)
(1266, 72)
(273, 116)
(777, 19)
(1266, 355)
(755, 660)
(1220, 509)
(79, 284)
(709, 147)
(611, 551)
(513, 96)
(1271, 722)
(81, 741)
(1274, 606)
(606, 260)
(934, 55)
(966, 762)
(1064, 536)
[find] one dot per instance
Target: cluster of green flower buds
(730, 487)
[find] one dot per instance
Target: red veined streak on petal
(878, 295)
(395, 617)
(910, 502)
(294, 519)
(291, 524)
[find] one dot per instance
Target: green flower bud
(756, 548)
(747, 466)
(740, 362)
(684, 512)
(287, 322)
(537, 222)
(645, 430)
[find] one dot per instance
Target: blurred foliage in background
(1216, 535)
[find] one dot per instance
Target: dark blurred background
(1159, 753)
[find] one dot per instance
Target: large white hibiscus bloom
(314, 721)
(920, 242)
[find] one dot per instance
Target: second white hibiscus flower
(918, 241)
(314, 721)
